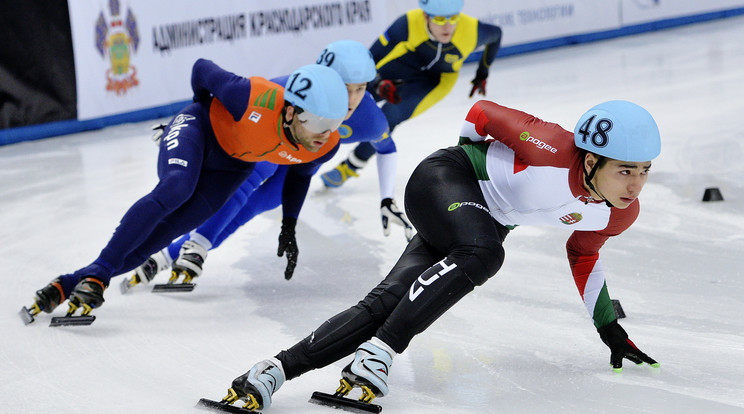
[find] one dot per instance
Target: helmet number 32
(597, 132)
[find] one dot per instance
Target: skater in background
(510, 169)
(271, 185)
(418, 59)
(208, 150)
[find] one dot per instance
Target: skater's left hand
(479, 84)
(288, 244)
(615, 337)
(391, 214)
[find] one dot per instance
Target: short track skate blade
(222, 407)
(26, 315)
(173, 287)
(72, 320)
(343, 403)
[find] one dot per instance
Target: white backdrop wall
(139, 55)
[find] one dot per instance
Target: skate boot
(146, 271)
(256, 386)
(88, 294)
(337, 176)
(46, 299)
(369, 370)
(189, 263)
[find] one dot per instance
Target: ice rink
(522, 343)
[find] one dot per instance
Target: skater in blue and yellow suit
(418, 60)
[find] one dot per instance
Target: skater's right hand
(615, 337)
(387, 89)
(288, 244)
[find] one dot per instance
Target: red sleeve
(533, 140)
(583, 256)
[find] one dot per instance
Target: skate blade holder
(343, 403)
(174, 287)
(222, 407)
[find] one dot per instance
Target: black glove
(615, 337)
(390, 213)
(288, 243)
(479, 84)
(387, 89)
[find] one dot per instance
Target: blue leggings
(196, 179)
(261, 192)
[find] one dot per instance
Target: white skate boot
(369, 370)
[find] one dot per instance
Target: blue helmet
(321, 94)
(351, 59)
(620, 130)
(441, 7)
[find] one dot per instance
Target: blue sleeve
(490, 36)
(232, 90)
(396, 33)
(297, 183)
(368, 124)
(281, 80)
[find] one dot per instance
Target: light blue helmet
(321, 94)
(441, 7)
(620, 130)
(351, 59)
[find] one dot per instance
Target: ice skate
(46, 299)
(146, 271)
(256, 386)
(369, 370)
(338, 176)
(188, 264)
(88, 295)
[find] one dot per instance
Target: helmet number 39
(597, 132)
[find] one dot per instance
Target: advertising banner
(526, 21)
(138, 54)
(644, 11)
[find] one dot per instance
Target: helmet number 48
(599, 136)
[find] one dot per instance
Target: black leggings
(457, 247)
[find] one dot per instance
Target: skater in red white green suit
(510, 169)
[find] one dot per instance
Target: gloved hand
(479, 84)
(387, 89)
(391, 214)
(157, 133)
(288, 244)
(615, 337)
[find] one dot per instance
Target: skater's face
(311, 141)
(356, 93)
(619, 182)
(442, 28)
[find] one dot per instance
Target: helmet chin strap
(285, 127)
(588, 176)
